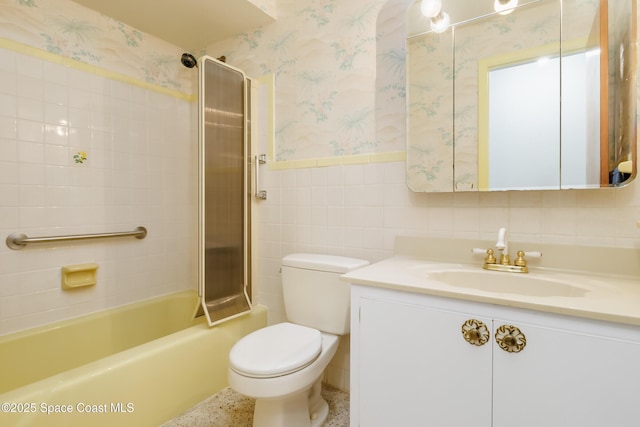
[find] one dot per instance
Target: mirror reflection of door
(530, 113)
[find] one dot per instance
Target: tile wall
(82, 153)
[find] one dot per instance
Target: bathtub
(140, 365)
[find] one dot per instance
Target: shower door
(224, 199)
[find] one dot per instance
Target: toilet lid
(275, 350)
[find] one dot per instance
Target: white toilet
(281, 365)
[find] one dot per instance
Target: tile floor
(229, 408)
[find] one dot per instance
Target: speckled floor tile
(229, 408)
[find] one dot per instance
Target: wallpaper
(326, 56)
(65, 28)
(430, 124)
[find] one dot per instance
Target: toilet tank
(314, 295)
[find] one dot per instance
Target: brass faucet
(519, 265)
(504, 263)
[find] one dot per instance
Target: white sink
(512, 283)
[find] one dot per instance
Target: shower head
(188, 60)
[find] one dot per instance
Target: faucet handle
(533, 254)
(489, 259)
(521, 262)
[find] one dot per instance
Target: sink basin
(512, 283)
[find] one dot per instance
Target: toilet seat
(276, 351)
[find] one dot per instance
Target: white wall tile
(302, 177)
(319, 196)
(32, 195)
(30, 152)
(8, 150)
(54, 176)
(9, 172)
(8, 62)
(29, 87)
(335, 176)
(30, 109)
(353, 195)
(319, 215)
(335, 196)
(8, 105)
(55, 73)
(31, 174)
(336, 216)
(354, 175)
(319, 177)
(8, 83)
(8, 127)
(79, 79)
(9, 195)
(28, 130)
(56, 114)
(49, 115)
(79, 98)
(79, 118)
(29, 66)
(55, 134)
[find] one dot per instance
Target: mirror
(543, 97)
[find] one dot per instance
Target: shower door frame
(232, 305)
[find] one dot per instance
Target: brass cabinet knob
(510, 339)
(475, 332)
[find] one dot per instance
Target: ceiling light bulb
(440, 23)
(505, 7)
(430, 8)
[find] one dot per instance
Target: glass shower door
(224, 191)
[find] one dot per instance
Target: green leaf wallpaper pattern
(324, 56)
(80, 30)
(319, 12)
(65, 28)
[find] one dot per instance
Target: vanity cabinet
(428, 361)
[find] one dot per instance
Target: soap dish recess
(80, 275)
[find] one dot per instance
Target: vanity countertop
(602, 297)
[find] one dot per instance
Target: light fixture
(505, 7)
(440, 22)
(430, 8)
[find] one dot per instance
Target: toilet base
(304, 409)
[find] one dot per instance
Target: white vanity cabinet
(411, 365)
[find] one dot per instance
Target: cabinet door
(567, 379)
(416, 369)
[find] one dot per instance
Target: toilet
(281, 366)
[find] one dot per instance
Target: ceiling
(189, 24)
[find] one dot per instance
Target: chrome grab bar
(19, 240)
(259, 160)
